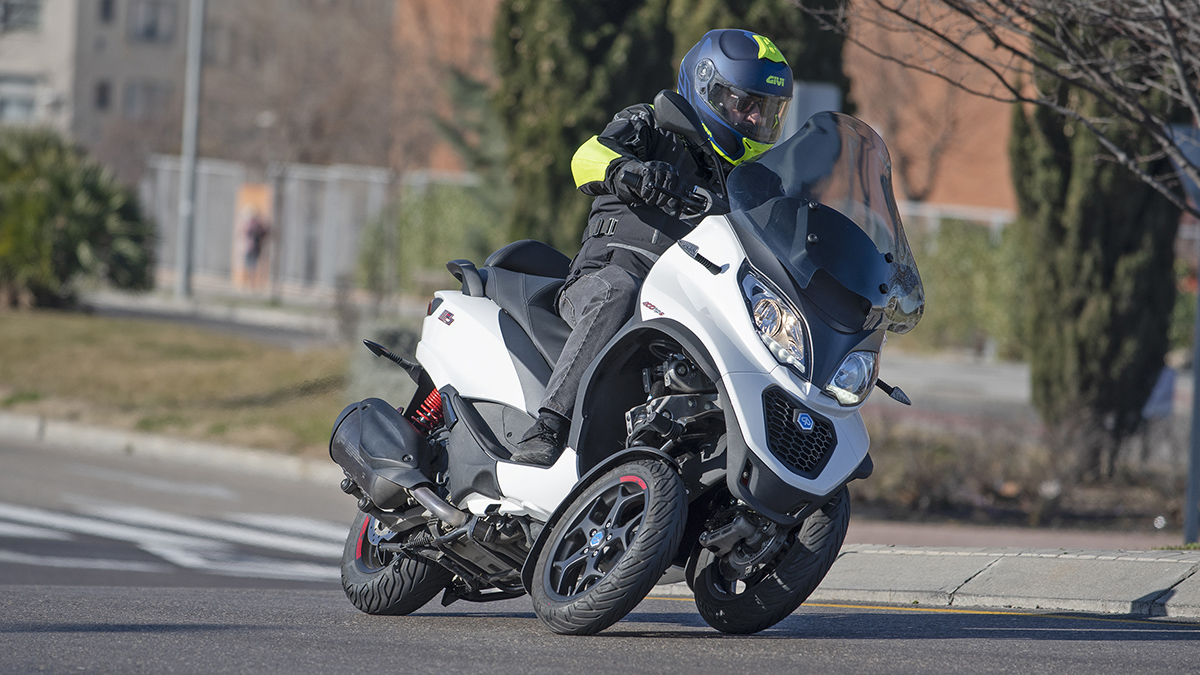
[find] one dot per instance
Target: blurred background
(347, 149)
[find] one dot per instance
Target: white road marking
(245, 566)
(192, 543)
(136, 515)
(156, 484)
(15, 557)
(24, 532)
(98, 528)
(317, 529)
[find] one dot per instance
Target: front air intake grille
(804, 452)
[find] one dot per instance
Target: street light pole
(1191, 497)
(187, 169)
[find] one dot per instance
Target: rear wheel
(769, 595)
(610, 548)
(382, 582)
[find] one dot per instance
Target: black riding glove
(658, 179)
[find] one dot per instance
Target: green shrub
(972, 286)
(64, 217)
(407, 249)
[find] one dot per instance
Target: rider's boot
(544, 441)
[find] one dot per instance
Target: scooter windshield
(822, 203)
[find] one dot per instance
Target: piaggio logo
(775, 80)
(446, 317)
(804, 421)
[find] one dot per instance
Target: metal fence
(316, 214)
(927, 218)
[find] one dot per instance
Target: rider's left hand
(659, 179)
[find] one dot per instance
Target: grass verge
(167, 378)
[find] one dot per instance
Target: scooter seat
(530, 256)
(529, 300)
(523, 278)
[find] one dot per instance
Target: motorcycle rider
(740, 86)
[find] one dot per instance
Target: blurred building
(434, 38)
(307, 81)
(949, 148)
(363, 81)
(315, 85)
(83, 65)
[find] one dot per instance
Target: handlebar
(695, 202)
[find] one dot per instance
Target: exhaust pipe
(438, 507)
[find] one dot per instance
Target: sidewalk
(1140, 583)
(1137, 583)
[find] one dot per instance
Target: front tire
(383, 582)
(610, 548)
(768, 597)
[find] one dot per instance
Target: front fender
(627, 455)
(613, 385)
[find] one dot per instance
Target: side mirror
(673, 113)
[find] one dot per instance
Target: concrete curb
(317, 322)
(39, 429)
(1134, 583)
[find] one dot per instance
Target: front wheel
(382, 582)
(610, 548)
(768, 596)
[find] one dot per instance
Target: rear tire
(765, 599)
(382, 582)
(610, 548)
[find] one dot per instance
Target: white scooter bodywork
(462, 344)
(713, 436)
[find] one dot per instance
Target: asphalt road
(72, 629)
(98, 519)
(129, 564)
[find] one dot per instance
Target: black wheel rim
(597, 537)
(369, 558)
(728, 587)
(732, 588)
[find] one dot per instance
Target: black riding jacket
(621, 229)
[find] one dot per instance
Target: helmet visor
(756, 116)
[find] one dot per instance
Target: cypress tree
(565, 68)
(1100, 285)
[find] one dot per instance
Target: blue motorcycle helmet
(740, 85)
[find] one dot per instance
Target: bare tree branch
(1120, 52)
(921, 122)
(308, 82)
(1177, 58)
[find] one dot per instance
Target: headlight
(778, 324)
(854, 378)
